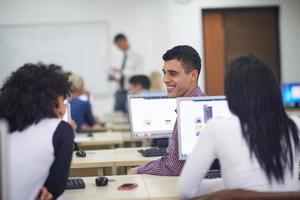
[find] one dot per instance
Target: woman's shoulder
(218, 126)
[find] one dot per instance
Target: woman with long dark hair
(40, 144)
(258, 147)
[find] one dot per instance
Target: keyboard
(211, 174)
(152, 152)
(75, 183)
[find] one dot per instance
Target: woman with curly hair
(40, 144)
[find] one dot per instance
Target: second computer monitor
(291, 94)
(193, 114)
(151, 115)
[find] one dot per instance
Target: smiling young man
(182, 66)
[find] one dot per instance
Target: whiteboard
(81, 48)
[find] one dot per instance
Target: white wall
(185, 22)
(144, 22)
(153, 26)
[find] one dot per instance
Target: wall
(190, 24)
(143, 21)
(154, 26)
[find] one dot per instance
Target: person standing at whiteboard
(131, 64)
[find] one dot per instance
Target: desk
(129, 142)
(111, 158)
(96, 141)
(119, 127)
(92, 130)
(97, 158)
(161, 187)
(147, 185)
(130, 157)
(114, 118)
(93, 164)
(99, 140)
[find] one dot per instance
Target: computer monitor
(67, 116)
(193, 114)
(3, 161)
(291, 94)
(151, 115)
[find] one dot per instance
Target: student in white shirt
(132, 64)
(258, 147)
(40, 143)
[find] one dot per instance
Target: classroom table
(111, 158)
(92, 130)
(93, 164)
(161, 187)
(149, 187)
(131, 157)
(98, 141)
(108, 139)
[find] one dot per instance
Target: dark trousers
(121, 100)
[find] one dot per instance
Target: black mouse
(101, 181)
(80, 153)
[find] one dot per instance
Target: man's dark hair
(254, 95)
(185, 54)
(31, 94)
(120, 36)
(142, 80)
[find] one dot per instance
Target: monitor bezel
(154, 135)
(179, 100)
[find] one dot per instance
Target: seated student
(182, 66)
(81, 110)
(259, 149)
(156, 81)
(40, 144)
(139, 84)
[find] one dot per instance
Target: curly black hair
(31, 94)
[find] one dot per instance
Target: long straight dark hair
(254, 95)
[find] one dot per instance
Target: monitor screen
(291, 93)
(151, 115)
(3, 161)
(193, 114)
(67, 115)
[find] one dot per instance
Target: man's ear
(194, 75)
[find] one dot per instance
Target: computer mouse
(80, 154)
(101, 181)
